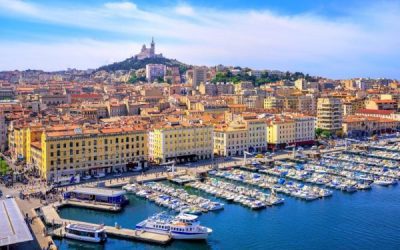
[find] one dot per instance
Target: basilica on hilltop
(148, 52)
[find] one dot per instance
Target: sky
(331, 38)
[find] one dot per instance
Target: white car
(87, 177)
(9, 196)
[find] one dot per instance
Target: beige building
(329, 114)
(180, 141)
(274, 102)
(290, 129)
(381, 104)
(357, 125)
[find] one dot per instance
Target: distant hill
(134, 64)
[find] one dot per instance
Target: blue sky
(336, 38)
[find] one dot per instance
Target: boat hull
(83, 238)
(177, 235)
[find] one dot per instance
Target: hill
(134, 64)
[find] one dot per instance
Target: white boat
(85, 232)
(180, 227)
(385, 181)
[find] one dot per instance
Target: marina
(177, 199)
(238, 191)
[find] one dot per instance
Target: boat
(85, 232)
(385, 181)
(181, 227)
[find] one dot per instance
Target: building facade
(155, 71)
(329, 114)
(180, 141)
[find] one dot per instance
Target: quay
(91, 205)
(51, 217)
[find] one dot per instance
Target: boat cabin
(85, 232)
(104, 195)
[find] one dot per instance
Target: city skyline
(338, 40)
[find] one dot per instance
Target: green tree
(133, 78)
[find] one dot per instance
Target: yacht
(85, 232)
(385, 181)
(180, 227)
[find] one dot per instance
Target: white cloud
(363, 43)
(184, 10)
(123, 6)
(18, 6)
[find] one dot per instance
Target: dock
(92, 205)
(51, 217)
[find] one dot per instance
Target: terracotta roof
(375, 112)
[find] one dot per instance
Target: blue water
(362, 220)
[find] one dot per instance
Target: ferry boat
(180, 227)
(87, 233)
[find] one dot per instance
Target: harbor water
(362, 220)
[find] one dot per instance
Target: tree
(326, 134)
(318, 132)
(133, 78)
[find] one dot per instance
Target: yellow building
(290, 129)
(17, 142)
(281, 132)
(180, 141)
(85, 150)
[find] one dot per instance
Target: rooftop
(98, 191)
(13, 228)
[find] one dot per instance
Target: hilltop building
(148, 52)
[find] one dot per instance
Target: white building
(329, 114)
(155, 71)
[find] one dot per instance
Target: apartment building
(231, 139)
(290, 129)
(358, 125)
(71, 150)
(155, 71)
(329, 114)
(180, 141)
